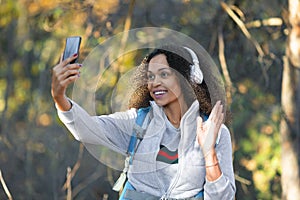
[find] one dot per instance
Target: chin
(160, 103)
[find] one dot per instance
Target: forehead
(158, 62)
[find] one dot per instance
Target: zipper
(180, 159)
(178, 174)
(174, 183)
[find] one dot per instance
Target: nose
(156, 81)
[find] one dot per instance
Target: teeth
(159, 92)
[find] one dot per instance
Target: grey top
(181, 180)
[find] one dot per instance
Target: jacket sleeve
(112, 131)
(224, 186)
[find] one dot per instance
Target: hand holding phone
(72, 47)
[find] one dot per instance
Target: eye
(165, 74)
(150, 77)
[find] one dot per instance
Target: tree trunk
(290, 100)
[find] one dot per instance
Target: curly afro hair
(180, 60)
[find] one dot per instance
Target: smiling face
(163, 84)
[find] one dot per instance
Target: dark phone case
(72, 47)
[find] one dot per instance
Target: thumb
(199, 128)
(199, 124)
(61, 57)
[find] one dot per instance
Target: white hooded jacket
(184, 179)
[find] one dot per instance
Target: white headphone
(196, 74)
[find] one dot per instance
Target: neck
(175, 111)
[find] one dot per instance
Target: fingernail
(80, 65)
(75, 54)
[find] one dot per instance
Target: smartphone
(72, 47)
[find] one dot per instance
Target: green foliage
(256, 126)
(8, 12)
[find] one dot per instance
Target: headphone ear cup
(196, 73)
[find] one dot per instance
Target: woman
(180, 156)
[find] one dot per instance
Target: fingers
(217, 117)
(64, 71)
(70, 70)
(69, 60)
(64, 74)
(69, 79)
(199, 129)
(65, 63)
(199, 123)
(61, 57)
(216, 114)
(207, 131)
(220, 116)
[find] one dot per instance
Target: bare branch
(212, 43)
(242, 180)
(76, 166)
(243, 28)
(127, 25)
(274, 21)
(93, 177)
(224, 66)
(5, 187)
(241, 24)
(238, 11)
(68, 182)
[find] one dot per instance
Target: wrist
(213, 170)
(211, 165)
(211, 158)
(63, 103)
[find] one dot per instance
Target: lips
(159, 93)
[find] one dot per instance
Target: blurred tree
(34, 149)
(290, 102)
(254, 66)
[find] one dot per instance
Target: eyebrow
(168, 68)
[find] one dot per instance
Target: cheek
(175, 86)
(177, 91)
(149, 86)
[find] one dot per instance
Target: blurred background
(248, 40)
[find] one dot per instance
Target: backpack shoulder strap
(137, 133)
